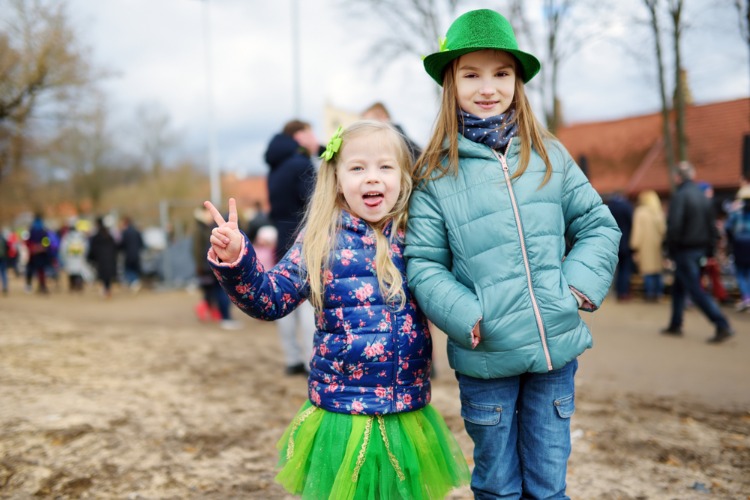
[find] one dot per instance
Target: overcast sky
(156, 51)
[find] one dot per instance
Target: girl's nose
(487, 89)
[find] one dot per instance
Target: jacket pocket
(565, 406)
(480, 414)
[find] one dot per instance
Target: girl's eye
(387, 166)
(355, 168)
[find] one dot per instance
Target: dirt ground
(133, 398)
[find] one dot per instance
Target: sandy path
(132, 398)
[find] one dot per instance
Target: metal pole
(213, 166)
(295, 59)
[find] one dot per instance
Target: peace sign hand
(226, 239)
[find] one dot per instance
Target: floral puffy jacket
(369, 357)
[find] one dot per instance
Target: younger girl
(506, 241)
(367, 430)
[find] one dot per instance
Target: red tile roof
(628, 154)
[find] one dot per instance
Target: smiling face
(485, 82)
(369, 175)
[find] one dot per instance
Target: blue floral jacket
(369, 357)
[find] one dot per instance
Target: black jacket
(690, 222)
(290, 185)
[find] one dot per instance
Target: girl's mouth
(372, 199)
(487, 104)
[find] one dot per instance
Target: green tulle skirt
(413, 455)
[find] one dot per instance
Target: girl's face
(369, 176)
(485, 82)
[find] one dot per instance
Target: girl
(367, 430)
(506, 241)
(646, 241)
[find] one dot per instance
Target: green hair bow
(333, 145)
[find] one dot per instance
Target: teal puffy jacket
(482, 246)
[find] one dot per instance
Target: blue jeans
(4, 273)
(521, 431)
(652, 286)
(623, 274)
(687, 281)
(742, 273)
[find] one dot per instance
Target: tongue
(373, 201)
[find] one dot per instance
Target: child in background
(368, 430)
(506, 241)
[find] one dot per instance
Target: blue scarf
(495, 131)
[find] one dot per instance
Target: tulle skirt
(337, 456)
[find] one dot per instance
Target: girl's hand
(475, 336)
(226, 239)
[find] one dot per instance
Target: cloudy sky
(156, 53)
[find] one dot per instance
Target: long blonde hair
(530, 131)
(322, 220)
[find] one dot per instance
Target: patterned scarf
(495, 131)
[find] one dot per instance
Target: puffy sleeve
(262, 294)
(593, 235)
(446, 302)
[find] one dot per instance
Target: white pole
(213, 166)
(295, 60)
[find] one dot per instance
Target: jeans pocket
(480, 414)
(566, 406)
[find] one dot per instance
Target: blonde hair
(530, 131)
(651, 201)
(322, 220)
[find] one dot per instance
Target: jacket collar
(470, 149)
(360, 226)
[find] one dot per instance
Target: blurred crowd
(646, 268)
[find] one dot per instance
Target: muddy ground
(133, 398)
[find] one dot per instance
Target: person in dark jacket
(691, 236)
(131, 244)
(622, 211)
(103, 256)
(37, 244)
(290, 184)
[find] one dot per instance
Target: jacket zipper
(516, 214)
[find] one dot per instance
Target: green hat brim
(435, 63)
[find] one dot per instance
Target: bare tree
(653, 10)
(40, 66)
(414, 26)
(155, 136)
(675, 13)
(743, 9)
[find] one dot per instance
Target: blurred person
(259, 219)
(691, 233)
(73, 251)
(13, 255)
(737, 227)
(131, 245)
(646, 242)
(710, 268)
(215, 304)
(4, 262)
(622, 211)
(102, 253)
(367, 429)
(378, 112)
(37, 243)
(290, 183)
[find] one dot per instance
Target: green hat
(478, 30)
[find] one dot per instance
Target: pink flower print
(408, 322)
(405, 365)
(399, 406)
(395, 250)
(324, 350)
(243, 288)
(347, 254)
(337, 366)
(380, 392)
(383, 325)
(370, 351)
(340, 312)
(379, 348)
(327, 277)
(357, 374)
(357, 407)
(367, 240)
(368, 289)
(315, 397)
(332, 387)
(407, 399)
(360, 294)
